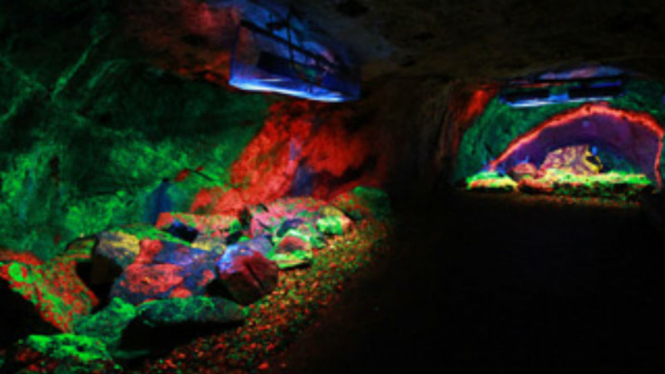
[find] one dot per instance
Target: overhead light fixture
(560, 91)
(273, 54)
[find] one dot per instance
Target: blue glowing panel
(276, 57)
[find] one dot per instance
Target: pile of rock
(190, 273)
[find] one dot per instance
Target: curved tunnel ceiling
(636, 136)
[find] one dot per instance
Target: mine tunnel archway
(635, 136)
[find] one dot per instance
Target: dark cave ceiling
(494, 38)
(476, 39)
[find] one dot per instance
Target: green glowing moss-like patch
(65, 353)
(18, 272)
(490, 181)
(108, 324)
(612, 177)
(66, 346)
(198, 309)
(612, 185)
(330, 226)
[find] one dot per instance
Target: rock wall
(90, 126)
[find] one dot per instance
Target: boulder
(523, 170)
(115, 250)
(64, 353)
(162, 325)
(193, 310)
(330, 211)
(41, 299)
(210, 244)
(108, 324)
(307, 229)
(261, 244)
(267, 219)
(143, 282)
(334, 225)
(174, 253)
(293, 250)
(247, 274)
(165, 270)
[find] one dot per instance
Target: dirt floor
(495, 283)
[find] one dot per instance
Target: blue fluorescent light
(259, 86)
(276, 53)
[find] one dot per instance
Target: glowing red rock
(304, 148)
(51, 294)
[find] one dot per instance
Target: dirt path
(493, 284)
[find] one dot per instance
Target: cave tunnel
(636, 138)
(348, 186)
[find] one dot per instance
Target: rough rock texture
(140, 282)
(576, 160)
(306, 229)
(108, 324)
(42, 298)
(304, 149)
(65, 353)
(292, 250)
(210, 244)
(209, 225)
(523, 170)
(194, 310)
(26, 258)
(335, 225)
(247, 274)
(112, 254)
(270, 219)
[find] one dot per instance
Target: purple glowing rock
(164, 270)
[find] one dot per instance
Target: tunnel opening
(593, 150)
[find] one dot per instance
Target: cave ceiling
(478, 39)
(494, 38)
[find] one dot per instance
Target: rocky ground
(196, 293)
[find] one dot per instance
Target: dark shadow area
(101, 291)
(18, 318)
(481, 283)
(141, 341)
